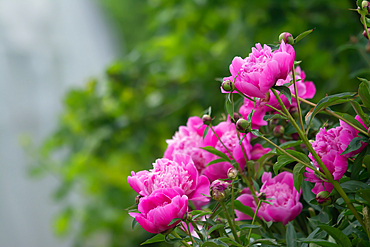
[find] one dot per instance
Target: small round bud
(236, 117)
(243, 125)
(278, 131)
(188, 217)
(207, 120)
(323, 198)
(137, 199)
(287, 38)
(365, 6)
(228, 85)
(232, 173)
(262, 196)
(364, 33)
(218, 190)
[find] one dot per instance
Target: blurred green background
(173, 51)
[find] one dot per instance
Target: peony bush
(262, 174)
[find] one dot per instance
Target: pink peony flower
(160, 208)
(227, 133)
(187, 141)
(329, 145)
(177, 174)
(258, 72)
(306, 90)
(285, 206)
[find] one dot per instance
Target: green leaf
(174, 221)
(311, 236)
(359, 3)
(230, 108)
(215, 241)
(264, 158)
(353, 186)
(284, 90)
(298, 176)
(354, 145)
(215, 162)
(210, 244)
(256, 133)
(157, 238)
(134, 223)
(297, 62)
(282, 161)
(299, 155)
(320, 242)
(352, 120)
(250, 115)
(358, 109)
(290, 236)
(328, 101)
(229, 241)
(302, 35)
(338, 235)
(205, 132)
(290, 144)
(267, 241)
(248, 226)
(357, 164)
(365, 194)
(216, 152)
(214, 228)
(273, 116)
(364, 93)
(241, 140)
(242, 208)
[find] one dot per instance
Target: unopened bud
(365, 6)
(228, 85)
(243, 125)
(188, 217)
(137, 199)
(262, 196)
(287, 38)
(364, 33)
(323, 198)
(236, 117)
(218, 190)
(278, 131)
(232, 173)
(207, 120)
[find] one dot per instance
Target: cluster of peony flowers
(329, 145)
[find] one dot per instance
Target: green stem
(178, 236)
(214, 132)
(232, 227)
(365, 26)
(329, 176)
(196, 229)
(298, 104)
(189, 233)
(232, 204)
(254, 219)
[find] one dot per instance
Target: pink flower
(160, 208)
(285, 206)
(177, 174)
(329, 145)
(306, 90)
(258, 72)
(187, 141)
(227, 133)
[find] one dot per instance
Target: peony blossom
(305, 89)
(160, 208)
(285, 199)
(227, 133)
(257, 73)
(329, 145)
(179, 173)
(187, 141)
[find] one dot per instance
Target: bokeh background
(90, 90)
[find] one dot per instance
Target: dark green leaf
(290, 144)
(353, 186)
(302, 35)
(311, 236)
(290, 236)
(364, 93)
(338, 235)
(357, 164)
(352, 120)
(354, 145)
(286, 91)
(250, 115)
(273, 116)
(155, 239)
(214, 151)
(241, 140)
(320, 242)
(358, 109)
(230, 108)
(205, 132)
(299, 155)
(215, 227)
(134, 223)
(229, 241)
(265, 241)
(244, 209)
(215, 162)
(256, 133)
(297, 62)
(174, 221)
(210, 244)
(298, 176)
(365, 194)
(282, 161)
(248, 226)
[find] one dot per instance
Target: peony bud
(323, 198)
(218, 190)
(232, 173)
(365, 6)
(278, 131)
(236, 117)
(137, 199)
(243, 125)
(228, 85)
(287, 38)
(207, 120)
(262, 196)
(364, 33)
